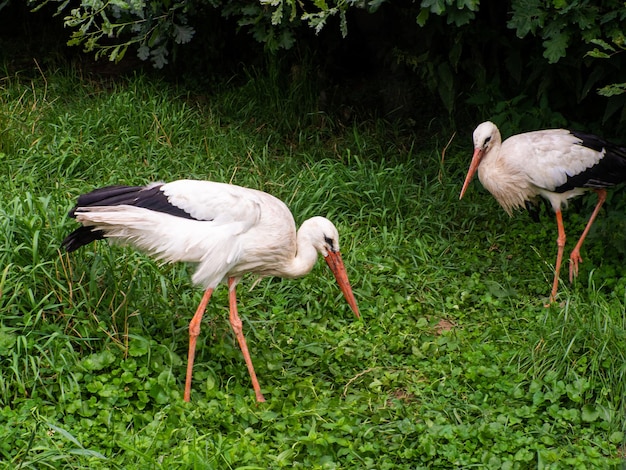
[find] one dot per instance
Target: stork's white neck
(303, 262)
(306, 255)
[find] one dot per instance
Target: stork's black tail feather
(80, 237)
(109, 196)
(148, 197)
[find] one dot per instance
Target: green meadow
(456, 363)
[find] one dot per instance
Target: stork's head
(324, 236)
(486, 135)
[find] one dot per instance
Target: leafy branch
(110, 27)
(608, 52)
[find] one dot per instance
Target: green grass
(456, 363)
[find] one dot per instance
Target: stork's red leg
(235, 323)
(560, 242)
(574, 257)
(194, 331)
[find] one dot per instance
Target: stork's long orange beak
(335, 263)
(476, 158)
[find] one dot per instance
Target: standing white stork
(228, 230)
(557, 164)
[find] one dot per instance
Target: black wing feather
(80, 237)
(609, 171)
(148, 197)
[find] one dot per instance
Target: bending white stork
(228, 230)
(556, 164)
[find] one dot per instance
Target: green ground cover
(455, 364)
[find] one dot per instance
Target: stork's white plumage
(227, 230)
(556, 164)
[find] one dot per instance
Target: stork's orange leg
(194, 331)
(574, 257)
(560, 242)
(235, 323)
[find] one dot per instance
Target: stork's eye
(487, 140)
(330, 243)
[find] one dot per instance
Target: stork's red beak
(476, 158)
(335, 263)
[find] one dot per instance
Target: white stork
(226, 229)
(557, 164)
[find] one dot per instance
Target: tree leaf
(183, 34)
(555, 47)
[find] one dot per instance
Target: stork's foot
(551, 301)
(555, 288)
(574, 259)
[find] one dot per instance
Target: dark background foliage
(524, 65)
